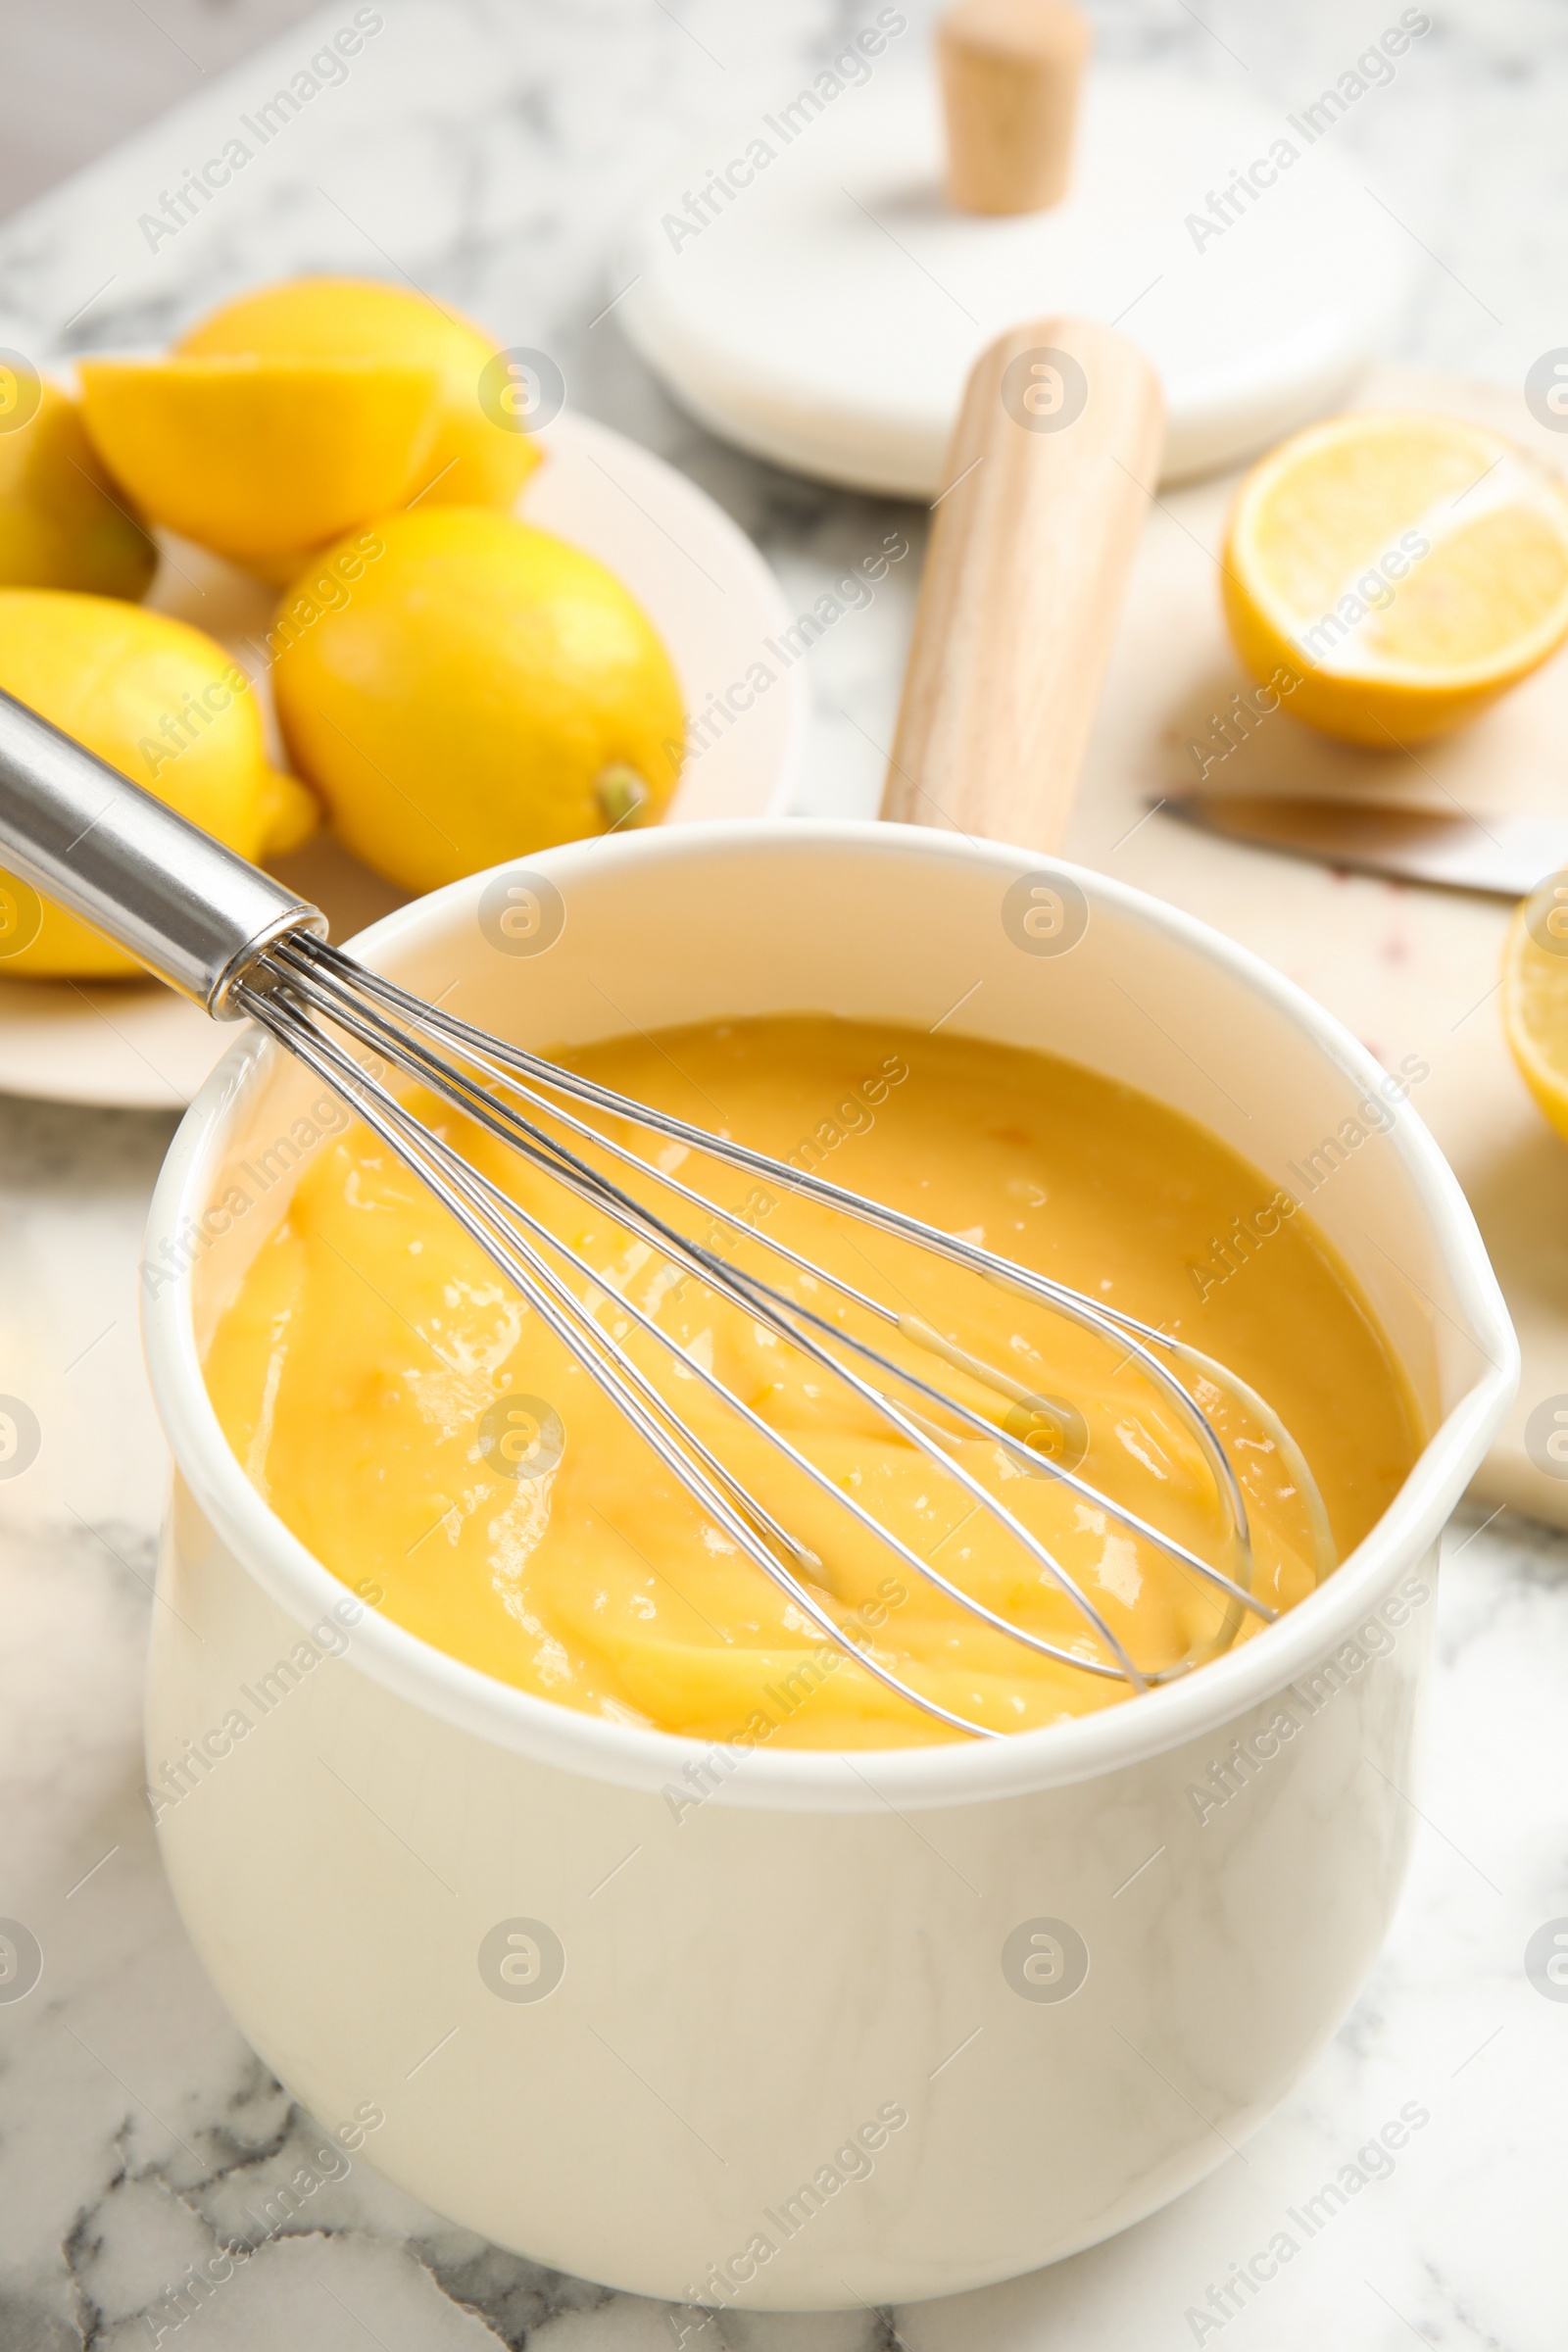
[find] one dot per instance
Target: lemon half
(1534, 996)
(1407, 567)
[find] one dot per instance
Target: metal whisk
(242, 945)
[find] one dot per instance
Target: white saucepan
(813, 2029)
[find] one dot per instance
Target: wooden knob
(1011, 71)
(1052, 461)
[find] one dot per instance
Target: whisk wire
(775, 1311)
(303, 954)
(606, 1363)
(310, 960)
(300, 977)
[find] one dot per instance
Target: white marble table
(491, 151)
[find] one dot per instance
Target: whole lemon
(170, 709)
(480, 457)
(61, 523)
(470, 692)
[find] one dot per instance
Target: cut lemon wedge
(1534, 996)
(1406, 569)
(260, 457)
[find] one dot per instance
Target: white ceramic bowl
(757, 1988)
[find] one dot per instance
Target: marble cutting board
(1410, 970)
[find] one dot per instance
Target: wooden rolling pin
(1052, 461)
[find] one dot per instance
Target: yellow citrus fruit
(480, 455)
(1534, 996)
(258, 458)
(1407, 567)
(479, 690)
(61, 523)
(166, 707)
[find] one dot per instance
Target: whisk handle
(77, 830)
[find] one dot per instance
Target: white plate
(828, 316)
(707, 592)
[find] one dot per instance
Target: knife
(1505, 859)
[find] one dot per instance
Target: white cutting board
(1412, 971)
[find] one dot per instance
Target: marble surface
(491, 151)
(86, 73)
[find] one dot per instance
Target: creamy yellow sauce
(408, 1416)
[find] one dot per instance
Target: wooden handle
(1011, 71)
(1052, 466)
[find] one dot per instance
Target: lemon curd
(403, 1411)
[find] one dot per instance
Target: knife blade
(1505, 859)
